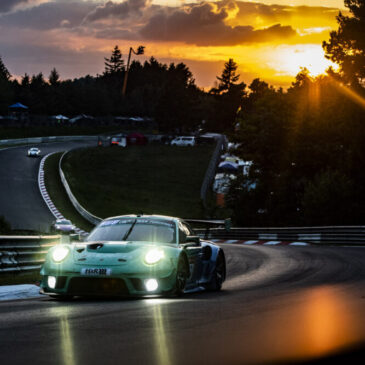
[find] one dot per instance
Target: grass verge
(157, 179)
(58, 194)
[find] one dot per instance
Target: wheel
(218, 275)
(181, 276)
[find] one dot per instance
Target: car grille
(96, 286)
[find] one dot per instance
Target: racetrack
(278, 304)
(20, 201)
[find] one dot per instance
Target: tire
(181, 277)
(219, 274)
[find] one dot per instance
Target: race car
(34, 152)
(62, 226)
(134, 255)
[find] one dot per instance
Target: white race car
(34, 152)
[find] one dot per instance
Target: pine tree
(346, 46)
(25, 80)
(115, 63)
(228, 77)
(54, 77)
(4, 72)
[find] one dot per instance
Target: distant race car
(34, 152)
(134, 255)
(62, 226)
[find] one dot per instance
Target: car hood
(111, 253)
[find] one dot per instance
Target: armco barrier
(15, 142)
(24, 253)
(332, 235)
(87, 215)
(212, 167)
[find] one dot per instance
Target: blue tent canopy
(18, 105)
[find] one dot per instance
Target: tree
(346, 46)
(227, 99)
(54, 77)
(6, 88)
(115, 63)
(4, 72)
(228, 77)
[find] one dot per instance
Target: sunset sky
(270, 39)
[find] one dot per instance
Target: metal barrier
(341, 235)
(24, 253)
(17, 141)
(212, 167)
(86, 214)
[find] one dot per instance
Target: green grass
(153, 179)
(58, 194)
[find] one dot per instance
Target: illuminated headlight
(51, 282)
(60, 253)
(154, 256)
(151, 284)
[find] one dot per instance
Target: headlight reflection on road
(159, 322)
(67, 355)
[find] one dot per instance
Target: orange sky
(268, 39)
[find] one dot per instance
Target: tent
(60, 117)
(137, 139)
(18, 106)
(81, 117)
(227, 166)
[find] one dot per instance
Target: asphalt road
(279, 304)
(20, 201)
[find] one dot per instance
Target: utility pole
(140, 51)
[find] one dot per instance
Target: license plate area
(99, 271)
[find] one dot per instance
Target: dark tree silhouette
(54, 77)
(4, 72)
(115, 63)
(346, 46)
(228, 76)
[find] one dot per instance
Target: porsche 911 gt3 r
(134, 255)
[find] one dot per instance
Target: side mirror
(193, 239)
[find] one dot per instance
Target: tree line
(166, 93)
(307, 144)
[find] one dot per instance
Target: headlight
(60, 253)
(154, 255)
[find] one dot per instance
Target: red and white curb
(261, 242)
(45, 196)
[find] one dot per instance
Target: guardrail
(17, 141)
(24, 253)
(341, 235)
(86, 214)
(210, 173)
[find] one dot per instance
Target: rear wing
(209, 223)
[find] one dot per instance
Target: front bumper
(122, 285)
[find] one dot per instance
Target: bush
(330, 200)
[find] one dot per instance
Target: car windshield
(135, 229)
(63, 222)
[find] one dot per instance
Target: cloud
(117, 10)
(49, 15)
(7, 5)
(205, 24)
